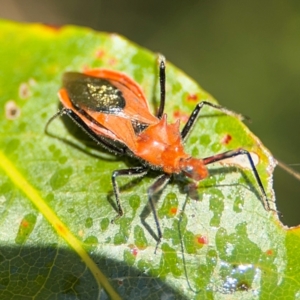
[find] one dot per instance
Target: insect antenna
(288, 169)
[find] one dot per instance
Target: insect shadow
(232, 169)
(192, 192)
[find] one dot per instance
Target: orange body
(159, 144)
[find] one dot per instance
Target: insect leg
(193, 117)
(80, 123)
(233, 153)
(137, 171)
(58, 114)
(156, 187)
(162, 82)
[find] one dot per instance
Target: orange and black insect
(113, 110)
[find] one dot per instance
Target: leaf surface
(56, 197)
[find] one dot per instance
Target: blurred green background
(245, 53)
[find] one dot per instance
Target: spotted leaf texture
(57, 240)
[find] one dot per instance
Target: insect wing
(97, 128)
(109, 102)
(93, 93)
(136, 105)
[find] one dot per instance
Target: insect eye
(189, 170)
(194, 168)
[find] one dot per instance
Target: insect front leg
(155, 188)
(237, 152)
(137, 171)
(80, 123)
(193, 117)
(162, 84)
(58, 114)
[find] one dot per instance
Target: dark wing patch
(93, 93)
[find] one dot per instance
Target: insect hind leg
(237, 152)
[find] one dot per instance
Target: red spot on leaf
(24, 223)
(173, 211)
(61, 229)
(201, 239)
(269, 252)
(226, 139)
(112, 61)
(192, 98)
(134, 251)
(180, 115)
(100, 53)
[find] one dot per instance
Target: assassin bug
(112, 109)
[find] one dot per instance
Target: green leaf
(57, 239)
